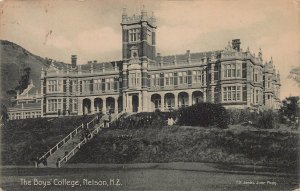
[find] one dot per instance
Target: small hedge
(204, 114)
(266, 119)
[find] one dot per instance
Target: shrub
(203, 114)
(267, 120)
(237, 116)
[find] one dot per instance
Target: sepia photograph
(135, 95)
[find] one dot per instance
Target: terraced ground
(131, 141)
(23, 140)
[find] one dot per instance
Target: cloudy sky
(91, 28)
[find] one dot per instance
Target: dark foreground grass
(23, 140)
(142, 179)
(173, 144)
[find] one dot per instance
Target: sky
(91, 28)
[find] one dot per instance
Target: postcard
(149, 95)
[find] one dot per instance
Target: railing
(64, 140)
(77, 147)
(92, 122)
(85, 140)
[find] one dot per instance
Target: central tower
(138, 44)
(138, 36)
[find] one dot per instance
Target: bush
(267, 120)
(204, 114)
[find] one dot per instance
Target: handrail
(72, 152)
(94, 132)
(91, 121)
(64, 141)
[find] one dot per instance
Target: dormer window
(134, 35)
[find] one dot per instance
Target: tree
(290, 108)
(4, 115)
(24, 81)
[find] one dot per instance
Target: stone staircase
(69, 146)
(61, 152)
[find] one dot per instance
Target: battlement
(136, 18)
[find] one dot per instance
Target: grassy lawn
(144, 179)
(23, 140)
(172, 144)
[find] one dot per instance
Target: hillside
(129, 140)
(14, 59)
(22, 140)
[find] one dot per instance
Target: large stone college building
(145, 80)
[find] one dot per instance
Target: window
(171, 78)
(257, 96)
(167, 79)
(74, 107)
(149, 36)
(180, 77)
(86, 85)
(238, 93)
(184, 74)
(156, 79)
(52, 86)
(231, 71)
(134, 79)
(256, 75)
(238, 70)
(107, 81)
(97, 84)
(27, 115)
(52, 105)
(152, 80)
(134, 35)
(112, 81)
(232, 93)
(197, 76)
(244, 68)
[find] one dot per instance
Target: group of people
(133, 121)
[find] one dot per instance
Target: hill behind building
(14, 60)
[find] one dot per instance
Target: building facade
(146, 81)
(28, 105)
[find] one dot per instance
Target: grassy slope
(22, 140)
(195, 144)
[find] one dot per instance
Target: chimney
(74, 60)
(236, 44)
(188, 52)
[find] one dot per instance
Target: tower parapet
(136, 18)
